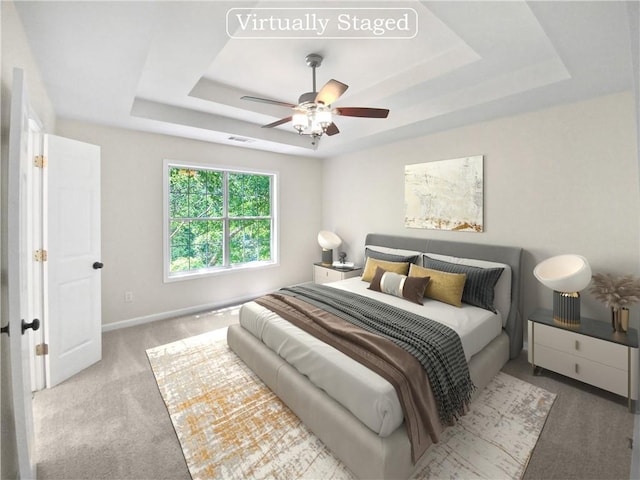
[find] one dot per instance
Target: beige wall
(560, 180)
(132, 222)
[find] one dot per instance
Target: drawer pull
(577, 348)
(577, 369)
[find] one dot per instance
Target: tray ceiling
(172, 67)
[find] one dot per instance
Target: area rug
(230, 425)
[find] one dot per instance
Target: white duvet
(367, 395)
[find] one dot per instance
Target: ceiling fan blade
(332, 129)
(331, 91)
(267, 100)
(362, 112)
(278, 122)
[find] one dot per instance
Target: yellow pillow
(372, 263)
(444, 287)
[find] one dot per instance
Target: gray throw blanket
(437, 347)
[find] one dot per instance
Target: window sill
(206, 273)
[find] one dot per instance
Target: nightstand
(327, 273)
(590, 352)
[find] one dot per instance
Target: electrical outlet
(128, 297)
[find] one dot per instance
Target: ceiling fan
(313, 115)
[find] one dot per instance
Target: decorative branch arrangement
(616, 291)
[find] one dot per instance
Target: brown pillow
(375, 281)
(410, 288)
(414, 288)
(444, 287)
(372, 263)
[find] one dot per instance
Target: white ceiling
(171, 67)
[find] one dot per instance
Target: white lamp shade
(564, 273)
(328, 240)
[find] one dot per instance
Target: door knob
(97, 265)
(35, 325)
(5, 329)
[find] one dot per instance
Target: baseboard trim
(132, 322)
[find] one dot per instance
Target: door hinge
(40, 255)
(40, 161)
(42, 349)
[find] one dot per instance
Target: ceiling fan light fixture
(323, 117)
(311, 119)
(300, 121)
(315, 129)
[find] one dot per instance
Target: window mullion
(225, 212)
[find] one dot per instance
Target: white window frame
(227, 268)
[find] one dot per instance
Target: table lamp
(566, 275)
(328, 241)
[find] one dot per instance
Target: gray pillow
(479, 288)
(390, 257)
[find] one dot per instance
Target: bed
(327, 391)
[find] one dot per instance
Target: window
(217, 220)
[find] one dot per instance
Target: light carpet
(230, 425)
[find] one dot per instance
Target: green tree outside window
(218, 219)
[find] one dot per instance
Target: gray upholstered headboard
(509, 255)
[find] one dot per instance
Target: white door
(73, 327)
(18, 262)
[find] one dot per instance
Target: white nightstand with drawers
(326, 273)
(590, 352)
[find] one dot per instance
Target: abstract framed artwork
(445, 194)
